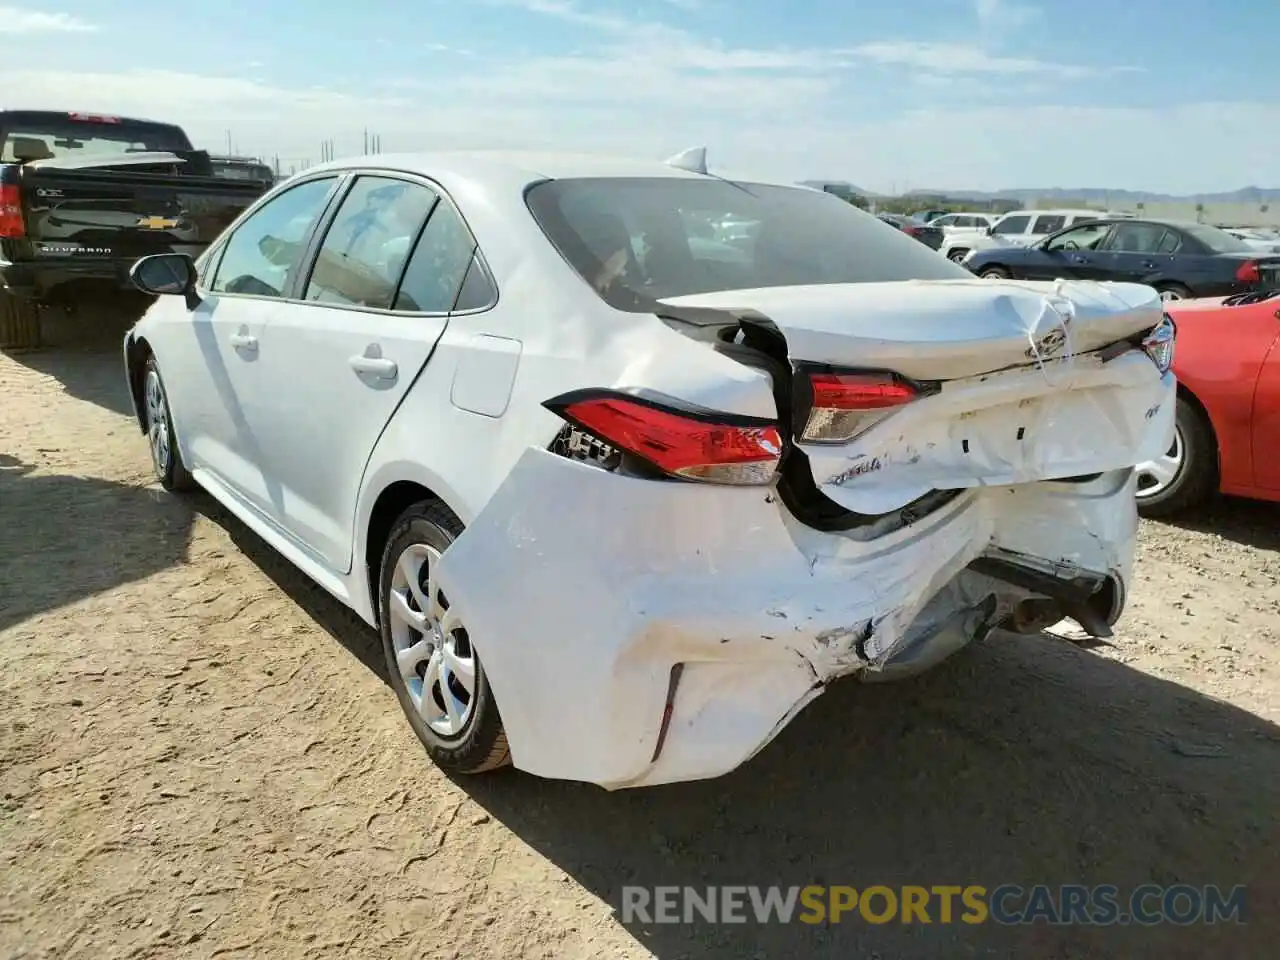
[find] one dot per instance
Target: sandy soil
(199, 756)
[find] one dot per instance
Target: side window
(263, 253)
(950, 220)
(1009, 225)
(1079, 238)
(981, 222)
(477, 290)
(1136, 238)
(438, 265)
(1047, 224)
(366, 246)
(1169, 243)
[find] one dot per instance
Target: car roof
(519, 169)
(1062, 211)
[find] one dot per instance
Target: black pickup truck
(83, 196)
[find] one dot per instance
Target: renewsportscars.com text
(1070, 904)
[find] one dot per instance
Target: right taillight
(680, 441)
(12, 226)
(845, 404)
(1249, 272)
(1159, 343)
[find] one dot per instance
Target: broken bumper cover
(637, 633)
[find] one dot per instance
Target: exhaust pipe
(1095, 602)
(1032, 616)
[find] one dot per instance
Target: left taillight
(12, 225)
(843, 404)
(1249, 272)
(676, 439)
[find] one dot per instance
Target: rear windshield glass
(1219, 241)
(46, 139)
(640, 240)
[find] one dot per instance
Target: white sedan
(620, 509)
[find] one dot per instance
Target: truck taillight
(1249, 272)
(12, 226)
(844, 405)
(684, 442)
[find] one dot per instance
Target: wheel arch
(1185, 393)
(137, 351)
(392, 499)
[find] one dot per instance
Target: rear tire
(1173, 291)
(19, 323)
(957, 255)
(477, 743)
(1195, 477)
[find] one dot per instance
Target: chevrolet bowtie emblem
(156, 223)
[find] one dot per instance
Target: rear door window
(366, 246)
(1046, 224)
(1012, 225)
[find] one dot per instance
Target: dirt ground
(199, 756)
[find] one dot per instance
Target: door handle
(243, 341)
(1148, 265)
(1080, 260)
(375, 366)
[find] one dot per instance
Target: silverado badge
(156, 223)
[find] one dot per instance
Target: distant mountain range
(1100, 195)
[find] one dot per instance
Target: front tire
(435, 671)
(994, 273)
(1187, 474)
(157, 419)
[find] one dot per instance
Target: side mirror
(167, 274)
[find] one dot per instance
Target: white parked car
(956, 222)
(1021, 227)
(1261, 239)
(619, 510)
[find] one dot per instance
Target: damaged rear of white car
(747, 493)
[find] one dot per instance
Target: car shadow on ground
(83, 352)
(51, 548)
(1251, 523)
(1022, 761)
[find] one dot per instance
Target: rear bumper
(638, 633)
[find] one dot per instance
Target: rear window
(1218, 241)
(636, 241)
(43, 139)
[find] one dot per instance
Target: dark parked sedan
(931, 237)
(1181, 260)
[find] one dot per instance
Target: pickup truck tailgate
(125, 214)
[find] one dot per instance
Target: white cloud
(648, 89)
(949, 58)
(1001, 16)
(18, 20)
(792, 131)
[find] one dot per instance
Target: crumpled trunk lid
(1019, 387)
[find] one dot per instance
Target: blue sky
(1171, 96)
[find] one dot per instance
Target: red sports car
(1227, 432)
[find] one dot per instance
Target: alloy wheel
(157, 414)
(433, 652)
(1155, 476)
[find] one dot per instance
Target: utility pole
(228, 140)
